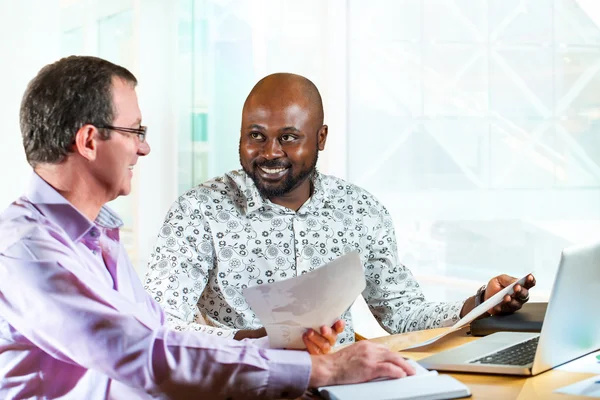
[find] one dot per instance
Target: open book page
(476, 312)
(320, 297)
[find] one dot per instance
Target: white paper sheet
(476, 312)
(589, 387)
(320, 297)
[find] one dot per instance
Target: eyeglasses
(140, 132)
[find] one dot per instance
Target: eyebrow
(290, 129)
(137, 123)
(286, 129)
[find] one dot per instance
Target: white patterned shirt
(222, 236)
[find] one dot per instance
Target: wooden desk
(487, 386)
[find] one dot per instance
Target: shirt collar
(58, 209)
(257, 203)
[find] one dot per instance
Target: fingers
(529, 281)
(389, 363)
(323, 341)
(522, 295)
(399, 362)
(519, 297)
(311, 347)
(361, 362)
(339, 326)
(381, 361)
(318, 344)
(508, 305)
(499, 308)
(328, 334)
(390, 370)
(520, 291)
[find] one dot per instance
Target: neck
(74, 184)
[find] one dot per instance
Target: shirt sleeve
(179, 268)
(392, 293)
(56, 302)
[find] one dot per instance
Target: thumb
(505, 280)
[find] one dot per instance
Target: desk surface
(487, 386)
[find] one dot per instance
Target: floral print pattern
(222, 236)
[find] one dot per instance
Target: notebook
(424, 385)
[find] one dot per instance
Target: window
(487, 135)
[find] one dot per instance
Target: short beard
(289, 183)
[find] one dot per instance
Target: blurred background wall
(475, 122)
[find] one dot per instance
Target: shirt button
(94, 233)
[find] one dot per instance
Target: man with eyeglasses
(75, 321)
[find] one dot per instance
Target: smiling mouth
(272, 171)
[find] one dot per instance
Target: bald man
(279, 217)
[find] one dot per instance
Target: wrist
(320, 372)
(467, 306)
(480, 295)
(473, 301)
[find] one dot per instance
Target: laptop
(570, 328)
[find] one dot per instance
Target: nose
(272, 149)
(143, 148)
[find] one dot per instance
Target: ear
(322, 137)
(86, 142)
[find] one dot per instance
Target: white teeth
(273, 170)
(131, 167)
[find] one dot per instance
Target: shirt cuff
(289, 373)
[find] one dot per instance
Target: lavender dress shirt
(76, 323)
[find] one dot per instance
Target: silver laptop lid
(571, 326)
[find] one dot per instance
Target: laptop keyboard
(519, 354)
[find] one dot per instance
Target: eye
(256, 135)
(288, 138)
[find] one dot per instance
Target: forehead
(125, 101)
(270, 116)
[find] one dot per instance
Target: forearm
(210, 367)
(404, 308)
(429, 315)
(468, 306)
(250, 334)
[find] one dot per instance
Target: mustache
(273, 164)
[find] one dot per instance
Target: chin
(125, 190)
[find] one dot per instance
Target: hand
(510, 303)
(360, 362)
(322, 343)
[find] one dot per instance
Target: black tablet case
(528, 319)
